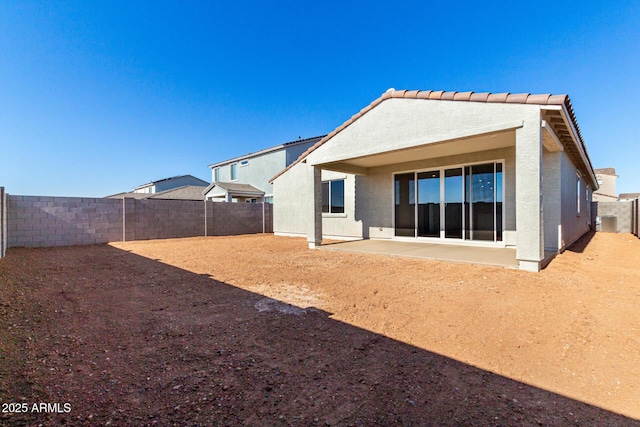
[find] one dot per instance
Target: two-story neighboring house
(183, 187)
(628, 197)
(246, 178)
(169, 184)
(607, 185)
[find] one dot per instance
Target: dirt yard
(200, 332)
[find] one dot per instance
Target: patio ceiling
(490, 141)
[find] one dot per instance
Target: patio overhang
(480, 139)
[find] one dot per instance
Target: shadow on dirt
(128, 340)
(581, 244)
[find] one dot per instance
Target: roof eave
(577, 140)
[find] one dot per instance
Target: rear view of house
(476, 169)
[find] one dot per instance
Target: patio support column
(529, 221)
(314, 233)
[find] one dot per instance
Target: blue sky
(99, 97)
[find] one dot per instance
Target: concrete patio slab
(503, 257)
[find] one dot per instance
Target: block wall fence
(626, 214)
(40, 221)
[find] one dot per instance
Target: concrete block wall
(38, 221)
(164, 219)
(224, 219)
(622, 210)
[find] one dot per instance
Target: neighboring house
(607, 182)
(627, 197)
(446, 167)
(169, 183)
(187, 192)
(246, 178)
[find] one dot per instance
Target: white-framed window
(216, 174)
(234, 171)
(268, 199)
(244, 162)
(578, 193)
(333, 196)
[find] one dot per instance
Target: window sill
(334, 215)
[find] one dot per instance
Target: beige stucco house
(476, 169)
(606, 192)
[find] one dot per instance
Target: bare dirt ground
(198, 332)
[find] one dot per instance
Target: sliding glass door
(429, 204)
(457, 203)
(483, 202)
(453, 203)
(405, 208)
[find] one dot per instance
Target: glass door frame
(441, 170)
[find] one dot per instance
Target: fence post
(124, 220)
(637, 216)
(3, 222)
(205, 217)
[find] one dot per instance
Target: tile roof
(508, 98)
(169, 179)
(130, 195)
(235, 187)
(606, 171)
(186, 192)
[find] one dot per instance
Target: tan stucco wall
(371, 215)
(607, 190)
(551, 198)
(574, 225)
(291, 213)
(404, 123)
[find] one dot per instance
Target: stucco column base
(533, 266)
(314, 245)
